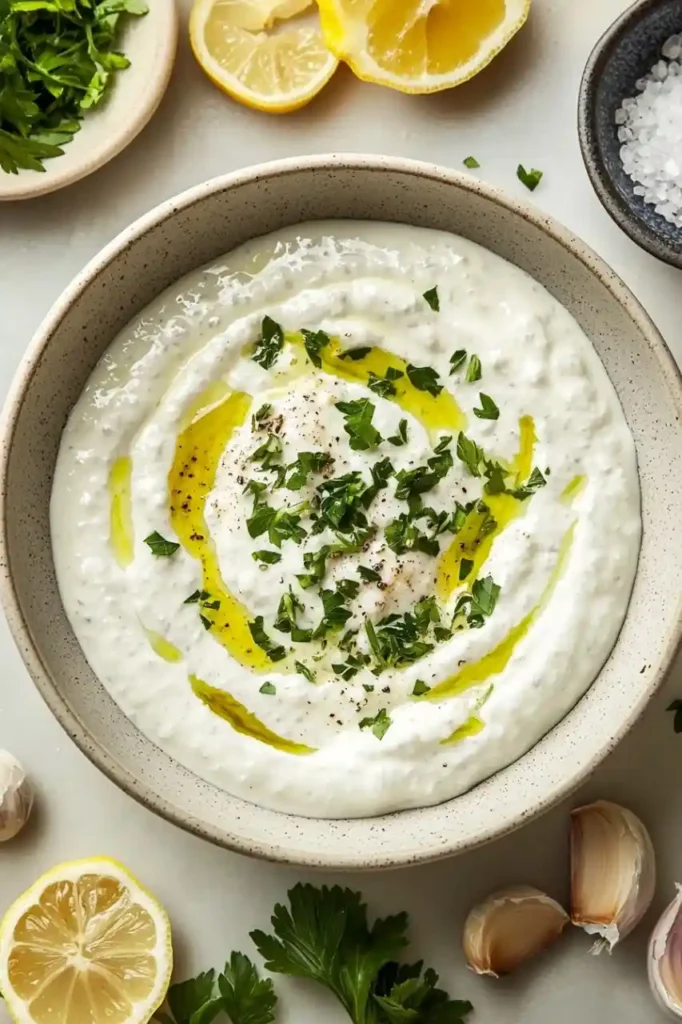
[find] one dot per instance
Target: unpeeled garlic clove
(16, 797)
(665, 958)
(509, 927)
(613, 871)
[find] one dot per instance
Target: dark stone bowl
(626, 52)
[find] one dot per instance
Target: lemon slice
(250, 52)
(419, 45)
(85, 945)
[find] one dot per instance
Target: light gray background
(522, 109)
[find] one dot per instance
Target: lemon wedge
(84, 945)
(419, 46)
(262, 52)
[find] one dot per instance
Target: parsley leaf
(457, 359)
(424, 378)
(465, 567)
(268, 688)
(269, 454)
(159, 546)
(369, 575)
(305, 671)
(315, 562)
(474, 370)
(471, 162)
(379, 724)
(198, 595)
(355, 354)
(314, 342)
(241, 994)
(381, 472)
(532, 484)
(267, 557)
(335, 614)
(469, 453)
(484, 595)
(431, 297)
(270, 343)
(384, 386)
(531, 179)
(275, 652)
(420, 688)
(400, 438)
(412, 483)
(358, 414)
(261, 415)
(188, 997)
(488, 410)
(305, 464)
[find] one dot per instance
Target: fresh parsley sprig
(270, 343)
(237, 991)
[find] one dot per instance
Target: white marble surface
(521, 110)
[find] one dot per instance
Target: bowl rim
(39, 671)
(607, 194)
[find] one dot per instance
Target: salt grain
(650, 130)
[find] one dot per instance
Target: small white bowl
(150, 43)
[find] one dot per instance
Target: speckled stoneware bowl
(199, 226)
(626, 52)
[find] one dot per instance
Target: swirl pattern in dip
(347, 523)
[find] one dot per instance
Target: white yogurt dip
(348, 522)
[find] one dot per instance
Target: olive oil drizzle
(241, 719)
(120, 515)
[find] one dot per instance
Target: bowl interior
(627, 53)
(202, 225)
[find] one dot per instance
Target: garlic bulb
(511, 926)
(16, 797)
(613, 871)
(665, 958)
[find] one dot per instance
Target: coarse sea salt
(650, 129)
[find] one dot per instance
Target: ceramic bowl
(625, 53)
(201, 225)
(150, 43)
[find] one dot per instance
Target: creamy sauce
(167, 441)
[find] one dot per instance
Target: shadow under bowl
(625, 53)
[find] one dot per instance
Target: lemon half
(262, 52)
(419, 46)
(84, 945)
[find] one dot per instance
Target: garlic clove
(665, 958)
(16, 797)
(509, 927)
(613, 871)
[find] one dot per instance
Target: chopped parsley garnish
(471, 162)
(399, 640)
(297, 472)
(469, 453)
(474, 370)
(420, 688)
(368, 687)
(267, 557)
(431, 297)
(268, 688)
(287, 613)
(412, 483)
(280, 524)
(465, 567)
(335, 614)
(354, 662)
(356, 354)
(275, 652)
(424, 378)
(270, 343)
(496, 477)
(159, 546)
(381, 472)
(261, 415)
(206, 622)
(484, 595)
(457, 360)
(269, 454)
(403, 534)
(384, 386)
(198, 595)
(400, 438)
(358, 414)
(532, 484)
(379, 724)
(315, 562)
(369, 575)
(531, 179)
(305, 671)
(314, 342)
(488, 410)
(341, 504)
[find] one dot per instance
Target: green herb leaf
(400, 438)
(188, 997)
(267, 557)
(465, 567)
(420, 688)
(531, 179)
(474, 370)
(261, 415)
(379, 724)
(431, 297)
(384, 386)
(315, 562)
(159, 546)
(469, 453)
(484, 595)
(314, 342)
(205, 621)
(369, 575)
(424, 378)
(268, 454)
(359, 414)
(275, 652)
(306, 464)
(305, 671)
(270, 343)
(268, 688)
(532, 484)
(246, 998)
(198, 595)
(471, 162)
(355, 354)
(457, 360)
(488, 410)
